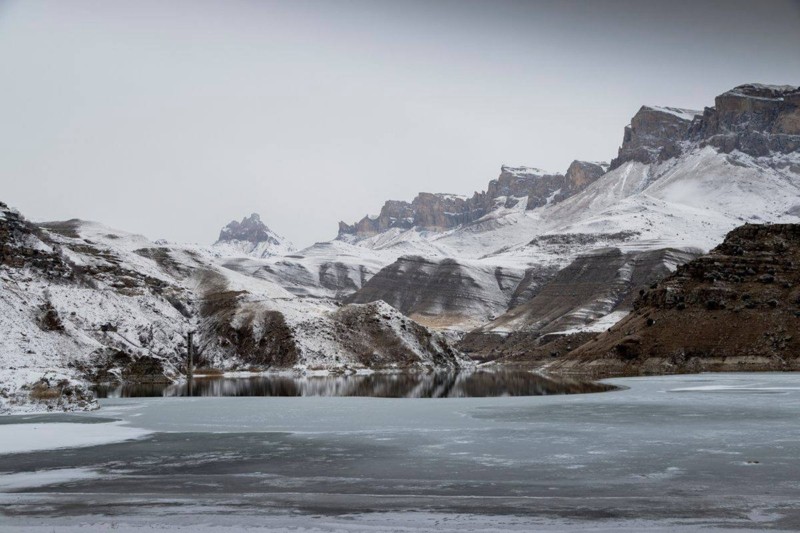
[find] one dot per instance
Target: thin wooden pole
(190, 350)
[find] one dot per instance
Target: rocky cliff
(735, 309)
(251, 237)
(655, 134)
(587, 296)
(679, 182)
(523, 187)
(754, 119)
(580, 175)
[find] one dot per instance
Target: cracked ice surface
(674, 453)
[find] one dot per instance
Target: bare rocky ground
(735, 309)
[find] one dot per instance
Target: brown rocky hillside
(735, 309)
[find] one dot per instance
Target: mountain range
(536, 258)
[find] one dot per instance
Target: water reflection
(479, 383)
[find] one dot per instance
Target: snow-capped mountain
(536, 254)
(682, 179)
(516, 187)
(251, 237)
(81, 302)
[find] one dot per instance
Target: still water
(698, 453)
(481, 383)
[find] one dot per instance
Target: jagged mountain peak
(250, 229)
(251, 237)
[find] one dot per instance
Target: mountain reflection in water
(479, 383)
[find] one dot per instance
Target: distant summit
(251, 237)
(521, 188)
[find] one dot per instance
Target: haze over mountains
(537, 254)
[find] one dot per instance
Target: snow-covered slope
(324, 270)
(80, 302)
(686, 203)
(443, 293)
(682, 179)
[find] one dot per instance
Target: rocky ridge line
(440, 212)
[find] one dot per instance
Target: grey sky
(171, 118)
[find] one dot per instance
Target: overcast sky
(172, 118)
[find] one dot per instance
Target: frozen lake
(680, 453)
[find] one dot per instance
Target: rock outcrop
(72, 311)
(682, 180)
(521, 187)
(580, 175)
(735, 309)
(427, 212)
(251, 237)
(655, 134)
(515, 184)
(754, 119)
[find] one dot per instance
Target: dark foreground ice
(680, 453)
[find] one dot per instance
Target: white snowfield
(31, 437)
(686, 203)
(691, 201)
(685, 114)
(146, 322)
(237, 248)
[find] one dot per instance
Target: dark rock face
(754, 119)
(250, 229)
(440, 212)
(336, 276)
(394, 214)
(18, 247)
(49, 320)
(516, 182)
(367, 331)
(259, 337)
(432, 212)
(654, 135)
(591, 286)
(532, 282)
(440, 293)
(580, 175)
(737, 308)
